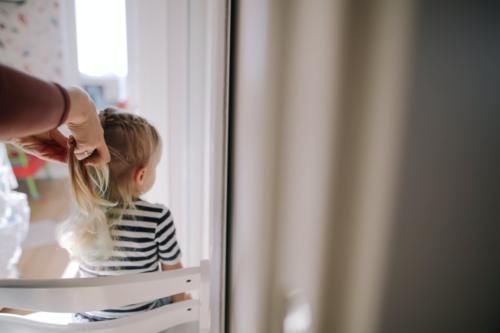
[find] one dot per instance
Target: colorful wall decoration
(31, 38)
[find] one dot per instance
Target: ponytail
(131, 141)
(87, 233)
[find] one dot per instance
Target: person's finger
(51, 152)
(59, 138)
(56, 156)
(82, 155)
(98, 158)
(48, 147)
(82, 149)
(95, 159)
(103, 151)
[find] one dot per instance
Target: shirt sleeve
(29, 105)
(168, 248)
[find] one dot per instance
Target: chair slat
(151, 321)
(87, 294)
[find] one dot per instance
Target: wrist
(67, 104)
(81, 106)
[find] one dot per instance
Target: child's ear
(139, 175)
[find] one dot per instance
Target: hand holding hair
(86, 131)
(31, 110)
(83, 122)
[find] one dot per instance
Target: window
(101, 37)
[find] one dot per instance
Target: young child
(114, 231)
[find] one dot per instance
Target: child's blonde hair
(131, 141)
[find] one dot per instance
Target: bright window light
(101, 37)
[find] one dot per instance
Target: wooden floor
(47, 260)
(54, 201)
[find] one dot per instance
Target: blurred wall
(31, 38)
(168, 84)
(364, 155)
(444, 266)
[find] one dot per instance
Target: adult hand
(85, 127)
(86, 131)
(52, 145)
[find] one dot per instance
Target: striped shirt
(143, 239)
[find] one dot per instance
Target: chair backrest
(87, 294)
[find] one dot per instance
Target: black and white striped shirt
(143, 239)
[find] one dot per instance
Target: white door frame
(161, 65)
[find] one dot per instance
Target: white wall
(31, 38)
(167, 85)
(177, 79)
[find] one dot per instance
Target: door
(364, 166)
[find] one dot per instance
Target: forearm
(29, 105)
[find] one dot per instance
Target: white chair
(86, 294)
